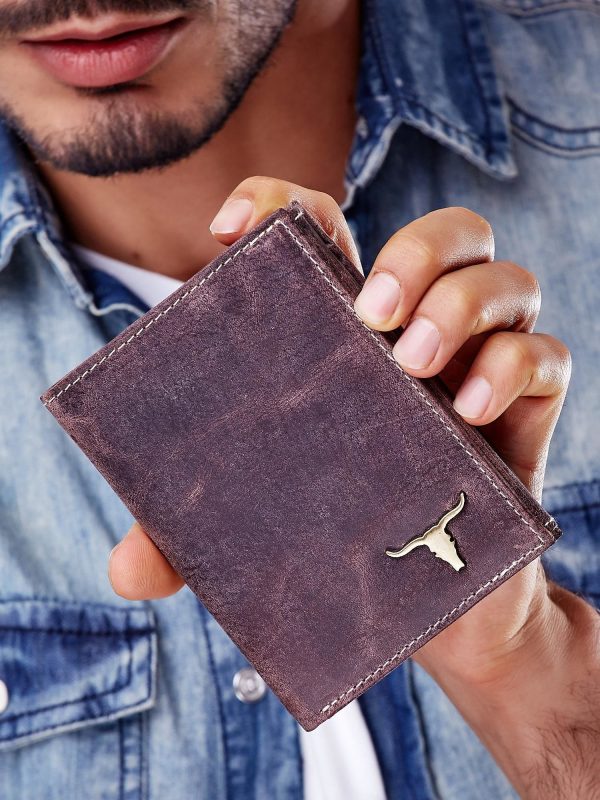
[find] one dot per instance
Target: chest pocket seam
(565, 142)
(539, 8)
(119, 686)
(127, 658)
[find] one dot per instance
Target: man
(127, 124)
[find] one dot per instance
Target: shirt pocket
(574, 560)
(77, 676)
(548, 60)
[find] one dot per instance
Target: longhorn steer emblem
(437, 539)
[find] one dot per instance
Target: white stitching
(160, 314)
(415, 386)
(397, 655)
(409, 378)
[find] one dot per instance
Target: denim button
(3, 697)
(248, 686)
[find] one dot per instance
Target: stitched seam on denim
(121, 761)
(87, 717)
(130, 772)
(519, 110)
(77, 604)
(61, 631)
(93, 696)
(141, 720)
(555, 150)
(516, 10)
(416, 708)
(476, 66)
(429, 115)
(409, 96)
(399, 653)
(220, 706)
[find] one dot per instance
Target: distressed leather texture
(273, 449)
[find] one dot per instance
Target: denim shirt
(492, 105)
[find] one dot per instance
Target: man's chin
(120, 138)
(129, 130)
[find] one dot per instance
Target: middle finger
(462, 304)
(415, 256)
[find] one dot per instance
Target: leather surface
(273, 449)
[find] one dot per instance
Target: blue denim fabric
(492, 105)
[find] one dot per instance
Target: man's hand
(468, 319)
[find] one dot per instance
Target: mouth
(97, 57)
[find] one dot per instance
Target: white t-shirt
(339, 760)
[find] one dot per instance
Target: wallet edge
(296, 216)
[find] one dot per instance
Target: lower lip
(105, 62)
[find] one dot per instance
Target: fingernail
(379, 298)
(473, 398)
(110, 555)
(418, 345)
(233, 216)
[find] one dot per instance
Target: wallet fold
(332, 512)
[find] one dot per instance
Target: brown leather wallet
(332, 512)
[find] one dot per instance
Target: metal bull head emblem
(437, 539)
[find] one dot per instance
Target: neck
(296, 122)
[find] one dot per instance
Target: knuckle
(415, 249)
(459, 298)
(476, 222)
(471, 217)
(260, 183)
(561, 358)
(529, 281)
(478, 230)
(259, 180)
(327, 202)
(511, 349)
(535, 290)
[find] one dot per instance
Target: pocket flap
(66, 665)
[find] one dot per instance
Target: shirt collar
(26, 208)
(427, 63)
(20, 196)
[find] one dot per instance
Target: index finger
(256, 198)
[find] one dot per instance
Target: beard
(123, 136)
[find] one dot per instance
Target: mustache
(18, 18)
